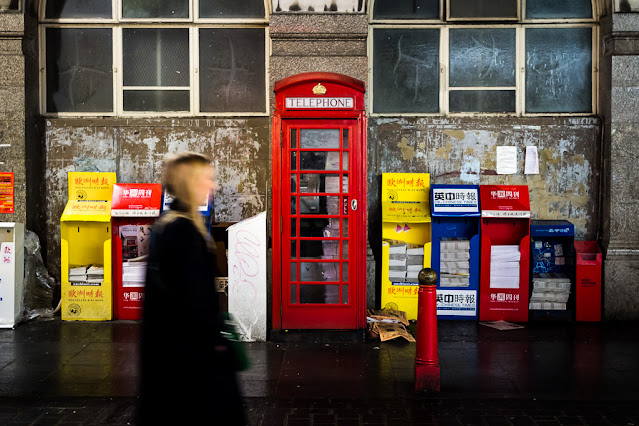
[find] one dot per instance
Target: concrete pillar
(620, 107)
(12, 109)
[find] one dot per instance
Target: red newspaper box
(505, 253)
(134, 208)
(588, 281)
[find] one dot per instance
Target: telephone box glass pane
(345, 249)
(314, 227)
(318, 249)
(319, 205)
(293, 271)
(314, 183)
(293, 206)
(319, 160)
(293, 138)
(344, 271)
(345, 294)
(345, 161)
(293, 293)
(293, 249)
(293, 227)
(319, 138)
(344, 227)
(293, 160)
(319, 271)
(324, 294)
(345, 138)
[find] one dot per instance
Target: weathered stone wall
(134, 149)
(12, 110)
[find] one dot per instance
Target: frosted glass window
(78, 9)
(155, 56)
(232, 9)
(406, 9)
(232, 74)
(406, 64)
(482, 57)
(483, 9)
(144, 9)
(156, 100)
(79, 69)
(319, 138)
(496, 101)
(548, 9)
(558, 70)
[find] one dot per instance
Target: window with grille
(521, 57)
(136, 57)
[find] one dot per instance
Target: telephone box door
(321, 203)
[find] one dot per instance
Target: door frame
(341, 85)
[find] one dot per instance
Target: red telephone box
(134, 208)
(319, 203)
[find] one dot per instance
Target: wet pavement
(54, 372)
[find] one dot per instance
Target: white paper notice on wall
(506, 160)
(247, 277)
(532, 161)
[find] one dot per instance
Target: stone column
(12, 109)
(619, 103)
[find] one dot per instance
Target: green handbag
(230, 341)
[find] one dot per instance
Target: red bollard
(426, 356)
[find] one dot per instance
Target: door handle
(354, 205)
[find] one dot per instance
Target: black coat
(183, 379)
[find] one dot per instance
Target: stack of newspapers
(550, 292)
(93, 274)
(454, 266)
(504, 266)
(405, 262)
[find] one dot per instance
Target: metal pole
(426, 356)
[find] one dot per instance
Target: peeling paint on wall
(135, 149)
(463, 151)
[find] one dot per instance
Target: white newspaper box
(11, 273)
(247, 277)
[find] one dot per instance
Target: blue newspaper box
(455, 249)
(552, 254)
(206, 208)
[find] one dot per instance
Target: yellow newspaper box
(406, 247)
(85, 228)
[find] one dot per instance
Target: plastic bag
(38, 284)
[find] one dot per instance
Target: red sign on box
(6, 193)
(504, 201)
(136, 200)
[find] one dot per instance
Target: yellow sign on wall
(91, 186)
(405, 197)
